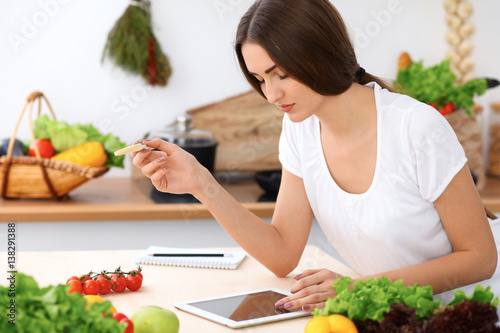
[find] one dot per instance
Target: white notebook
(230, 260)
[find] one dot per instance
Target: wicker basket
(494, 154)
(36, 177)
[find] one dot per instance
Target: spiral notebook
(213, 258)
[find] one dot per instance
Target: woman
(383, 174)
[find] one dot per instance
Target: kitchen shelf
(122, 199)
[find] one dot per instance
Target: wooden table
(164, 285)
(122, 199)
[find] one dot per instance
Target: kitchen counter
(125, 199)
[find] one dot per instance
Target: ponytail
(367, 77)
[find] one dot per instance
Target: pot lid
(182, 133)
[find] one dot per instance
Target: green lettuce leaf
(64, 136)
(52, 309)
(480, 294)
(372, 299)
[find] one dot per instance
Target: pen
(191, 254)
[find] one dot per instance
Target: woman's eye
(260, 82)
(282, 77)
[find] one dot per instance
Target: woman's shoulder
(400, 102)
(410, 120)
(406, 109)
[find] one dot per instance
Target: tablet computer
(242, 309)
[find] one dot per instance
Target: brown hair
(308, 39)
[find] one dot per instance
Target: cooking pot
(199, 143)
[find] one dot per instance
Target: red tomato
(91, 287)
(71, 278)
(134, 282)
(447, 109)
(434, 105)
(118, 316)
(105, 285)
(84, 277)
(44, 146)
(76, 287)
(137, 272)
(130, 325)
(119, 283)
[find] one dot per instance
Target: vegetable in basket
(17, 150)
(89, 153)
(436, 84)
(64, 137)
(44, 147)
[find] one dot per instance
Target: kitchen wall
(55, 46)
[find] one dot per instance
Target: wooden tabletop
(122, 199)
(164, 285)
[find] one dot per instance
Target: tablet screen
(244, 307)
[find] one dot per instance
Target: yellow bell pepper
(87, 154)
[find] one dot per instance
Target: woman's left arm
(474, 256)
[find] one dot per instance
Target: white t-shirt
(394, 224)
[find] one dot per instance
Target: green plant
(436, 84)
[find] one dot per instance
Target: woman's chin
(296, 118)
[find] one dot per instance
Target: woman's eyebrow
(267, 70)
(270, 69)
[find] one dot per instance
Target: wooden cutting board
(247, 128)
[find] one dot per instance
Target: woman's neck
(349, 114)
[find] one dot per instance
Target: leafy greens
(64, 136)
(52, 309)
(373, 298)
(436, 84)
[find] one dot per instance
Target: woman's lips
(286, 107)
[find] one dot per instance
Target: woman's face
(291, 96)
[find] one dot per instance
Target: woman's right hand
(170, 168)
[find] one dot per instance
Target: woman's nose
(272, 93)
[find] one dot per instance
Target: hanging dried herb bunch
(132, 45)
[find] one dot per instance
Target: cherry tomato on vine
(119, 283)
(134, 282)
(105, 285)
(137, 272)
(71, 278)
(91, 287)
(84, 278)
(76, 286)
